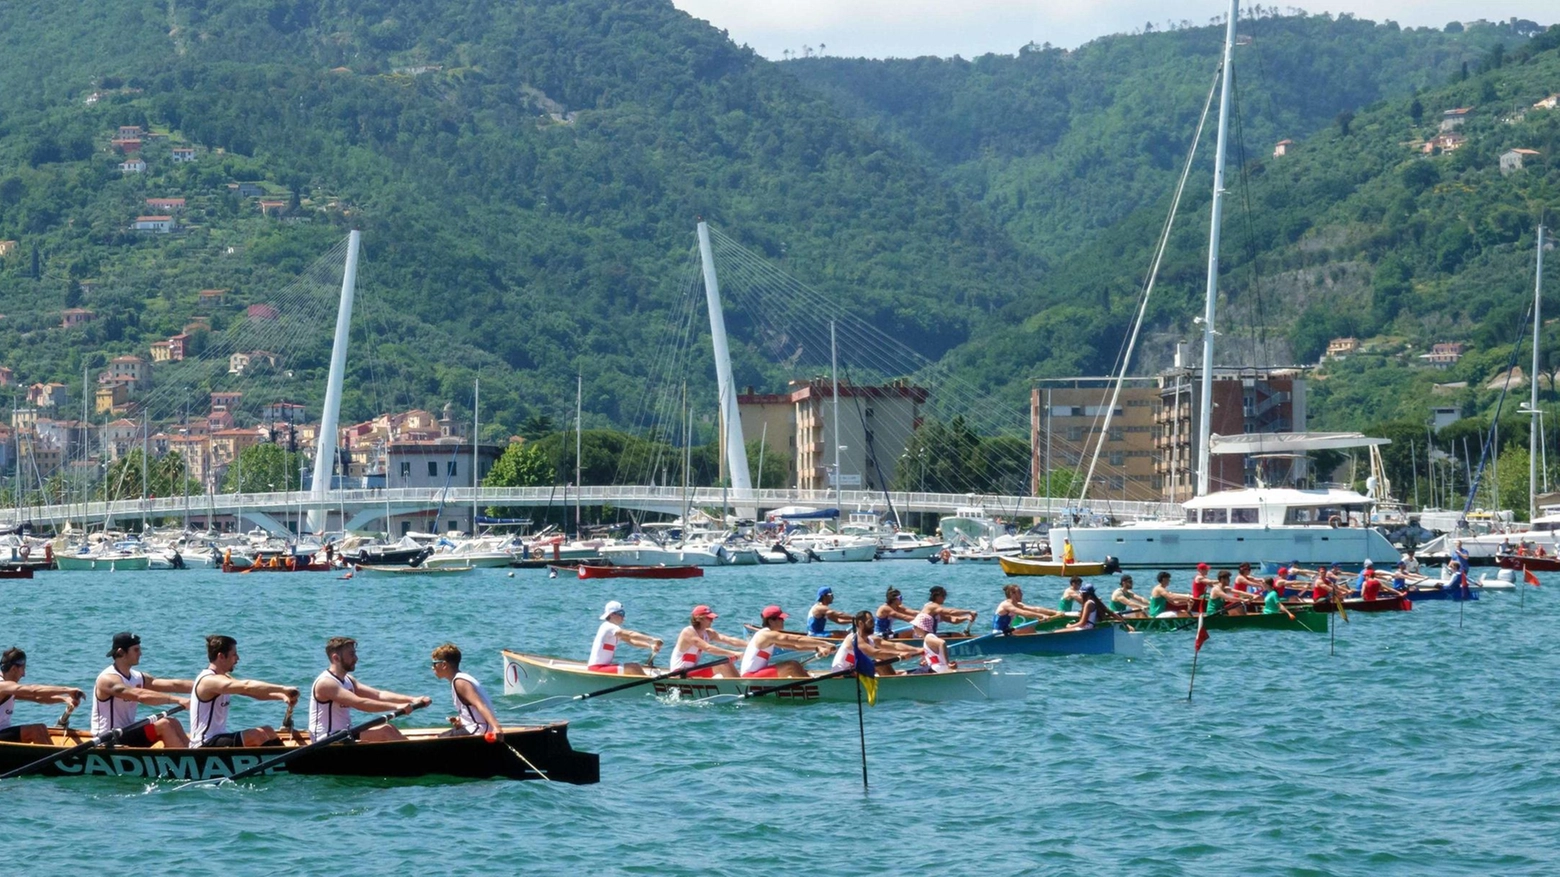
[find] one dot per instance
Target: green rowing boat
(1305, 619)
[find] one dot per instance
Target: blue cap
(1086, 588)
(824, 592)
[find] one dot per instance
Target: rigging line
(1256, 322)
(1489, 435)
(1148, 285)
(646, 417)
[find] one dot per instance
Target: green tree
(523, 464)
(263, 468)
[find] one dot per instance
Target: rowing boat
(1380, 604)
(1046, 638)
(526, 753)
(542, 676)
(1305, 619)
(414, 570)
(592, 571)
(16, 572)
(1030, 566)
(1441, 592)
(1528, 561)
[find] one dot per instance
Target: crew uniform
(471, 721)
(8, 733)
(326, 717)
(117, 712)
(208, 724)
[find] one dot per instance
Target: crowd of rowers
(120, 689)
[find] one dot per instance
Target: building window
(406, 470)
(1075, 433)
(433, 469)
(1118, 458)
(1117, 434)
(453, 469)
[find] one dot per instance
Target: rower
(1246, 583)
(1122, 600)
(1163, 602)
(336, 693)
(1321, 587)
(214, 689)
(893, 609)
(120, 688)
(1070, 596)
(1367, 575)
(1222, 599)
(883, 654)
(933, 649)
(1091, 610)
(700, 638)
(13, 666)
(473, 711)
(603, 649)
(1410, 562)
(1273, 602)
(1013, 605)
(762, 646)
(819, 616)
(1200, 585)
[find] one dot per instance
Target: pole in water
(861, 727)
(1332, 635)
(1193, 683)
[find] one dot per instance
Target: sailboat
(1228, 527)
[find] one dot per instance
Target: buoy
(511, 575)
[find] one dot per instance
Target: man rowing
(1273, 601)
(758, 658)
(1068, 603)
(213, 691)
(1013, 606)
(933, 649)
(1201, 584)
(603, 649)
(336, 693)
(1163, 602)
(1123, 600)
(821, 613)
(120, 689)
(883, 653)
(1246, 583)
(893, 609)
(473, 711)
(13, 666)
(700, 638)
(1372, 588)
(1224, 599)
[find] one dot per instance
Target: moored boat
(591, 571)
(414, 570)
(16, 572)
(1547, 563)
(114, 562)
(1029, 566)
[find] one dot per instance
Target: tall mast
(476, 423)
(579, 398)
(325, 444)
(1205, 416)
(735, 449)
(143, 471)
(834, 418)
(1534, 423)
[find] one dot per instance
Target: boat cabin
(1272, 507)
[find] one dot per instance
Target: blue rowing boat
(1445, 593)
(1105, 639)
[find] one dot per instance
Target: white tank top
(210, 716)
(115, 712)
(754, 659)
(845, 655)
(7, 706)
(327, 717)
(689, 658)
(470, 719)
(603, 650)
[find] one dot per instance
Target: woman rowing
(883, 653)
(1273, 601)
(934, 649)
(758, 661)
(699, 638)
(1092, 610)
(893, 609)
(821, 613)
(1163, 602)
(1013, 605)
(1201, 584)
(1246, 583)
(603, 649)
(1123, 601)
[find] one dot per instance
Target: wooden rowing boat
(1420, 594)
(1030, 566)
(592, 571)
(542, 676)
(16, 572)
(414, 570)
(1304, 620)
(423, 753)
(1381, 604)
(1528, 561)
(1026, 639)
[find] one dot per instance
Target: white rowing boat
(542, 676)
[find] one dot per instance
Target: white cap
(1367, 563)
(613, 607)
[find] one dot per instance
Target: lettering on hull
(690, 690)
(160, 765)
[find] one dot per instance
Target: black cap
(123, 641)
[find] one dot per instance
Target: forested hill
(527, 177)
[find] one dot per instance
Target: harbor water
(1416, 743)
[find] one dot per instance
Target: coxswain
(214, 689)
(934, 649)
(883, 653)
(603, 649)
(1068, 603)
(701, 638)
(120, 688)
(13, 666)
(769, 638)
(474, 714)
(336, 693)
(1460, 554)
(1458, 581)
(1273, 601)
(1163, 602)
(1012, 606)
(893, 609)
(1123, 600)
(819, 616)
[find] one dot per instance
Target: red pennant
(1527, 576)
(1202, 635)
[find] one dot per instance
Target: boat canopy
(1290, 443)
(801, 513)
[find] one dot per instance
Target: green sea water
(1423, 744)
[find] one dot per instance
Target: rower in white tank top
(754, 659)
(209, 717)
(116, 712)
(7, 707)
(603, 649)
(471, 720)
(327, 717)
(688, 659)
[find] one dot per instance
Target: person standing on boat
(893, 609)
(770, 638)
(883, 654)
(13, 666)
(1123, 601)
(603, 649)
(1071, 596)
(1410, 562)
(213, 691)
(473, 711)
(933, 649)
(819, 616)
(336, 693)
(120, 689)
(1460, 554)
(1067, 552)
(1163, 602)
(1012, 606)
(1273, 601)
(699, 638)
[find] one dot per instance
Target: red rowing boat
(588, 571)
(1528, 561)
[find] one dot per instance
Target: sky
(910, 28)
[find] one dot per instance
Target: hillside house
(1338, 348)
(272, 208)
(285, 412)
(7, 248)
(133, 166)
(179, 346)
(247, 190)
(1548, 103)
(1511, 160)
(121, 435)
(1443, 355)
(1443, 143)
(161, 352)
(72, 317)
(243, 362)
(182, 154)
(194, 449)
(262, 312)
(225, 400)
(132, 370)
(156, 224)
(126, 145)
(48, 396)
(111, 398)
(218, 420)
(1283, 147)
(165, 205)
(212, 296)
(7, 378)
(1451, 120)
(128, 132)
(227, 444)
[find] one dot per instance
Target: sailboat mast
(476, 423)
(579, 398)
(1533, 419)
(1205, 416)
(834, 370)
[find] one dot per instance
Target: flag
(1527, 576)
(1202, 635)
(866, 672)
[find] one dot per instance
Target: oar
(285, 757)
(643, 680)
(717, 699)
(64, 722)
(111, 736)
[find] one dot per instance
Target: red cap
(1202, 567)
(702, 610)
(1283, 570)
(773, 612)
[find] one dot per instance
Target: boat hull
(1106, 639)
(1420, 595)
(1384, 604)
(437, 571)
(476, 561)
(588, 571)
(1304, 620)
(1520, 562)
(1024, 566)
(1183, 546)
(102, 564)
(651, 555)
